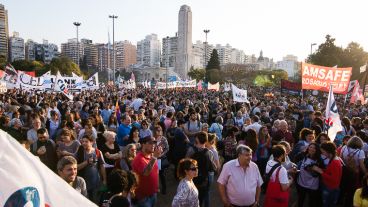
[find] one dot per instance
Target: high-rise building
(4, 33)
(184, 54)
(104, 56)
(126, 54)
(169, 51)
(70, 49)
(16, 47)
(30, 47)
(289, 63)
(199, 53)
(149, 51)
(90, 57)
(44, 52)
(224, 53)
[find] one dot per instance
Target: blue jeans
(147, 202)
(330, 197)
(211, 177)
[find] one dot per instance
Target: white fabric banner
(332, 116)
(29, 182)
(239, 95)
(28, 82)
(215, 86)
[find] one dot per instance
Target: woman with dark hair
(133, 137)
(305, 138)
(264, 144)
(162, 141)
(322, 138)
(251, 141)
(112, 124)
(330, 176)
(230, 144)
(361, 194)
(347, 129)
(128, 155)
(121, 185)
(187, 193)
(308, 180)
(145, 131)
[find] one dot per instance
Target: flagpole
(365, 78)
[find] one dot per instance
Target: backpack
(350, 161)
(267, 177)
(204, 166)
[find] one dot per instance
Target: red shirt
(331, 176)
(148, 185)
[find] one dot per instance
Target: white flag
(333, 121)
(239, 95)
(363, 68)
(215, 86)
(227, 87)
(29, 182)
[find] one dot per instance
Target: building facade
(44, 52)
(16, 47)
(70, 50)
(90, 54)
(201, 54)
(289, 63)
(169, 51)
(30, 47)
(184, 54)
(4, 33)
(126, 54)
(104, 56)
(149, 51)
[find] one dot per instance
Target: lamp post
(113, 42)
(206, 31)
(77, 24)
(313, 44)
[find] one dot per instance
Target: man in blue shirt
(123, 131)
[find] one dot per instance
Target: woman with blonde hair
(68, 145)
(110, 150)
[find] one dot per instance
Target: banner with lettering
(320, 78)
(239, 95)
(28, 82)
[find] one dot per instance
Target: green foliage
(214, 62)
(197, 74)
(2, 61)
(328, 54)
(214, 76)
(26, 65)
(65, 65)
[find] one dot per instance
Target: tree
(213, 64)
(328, 54)
(197, 74)
(2, 61)
(65, 65)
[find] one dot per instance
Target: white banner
(29, 182)
(130, 84)
(10, 80)
(3, 88)
(92, 83)
(239, 95)
(215, 86)
(28, 82)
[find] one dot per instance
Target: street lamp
(206, 31)
(77, 24)
(313, 44)
(113, 41)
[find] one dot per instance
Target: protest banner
(292, 88)
(239, 95)
(320, 78)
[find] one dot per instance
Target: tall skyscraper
(70, 50)
(184, 54)
(4, 33)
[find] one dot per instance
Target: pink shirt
(240, 185)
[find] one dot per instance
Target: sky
(278, 27)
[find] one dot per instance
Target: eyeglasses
(193, 168)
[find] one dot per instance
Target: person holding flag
(333, 122)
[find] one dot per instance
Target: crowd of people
(118, 147)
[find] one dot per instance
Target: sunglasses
(193, 168)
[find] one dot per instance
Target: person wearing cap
(145, 165)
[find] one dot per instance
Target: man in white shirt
(255, 125)
(137, 103)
